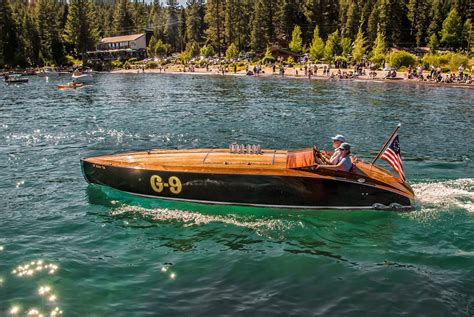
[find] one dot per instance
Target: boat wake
(191, 218)
(458, 193)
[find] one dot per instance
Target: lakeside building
(121, 47)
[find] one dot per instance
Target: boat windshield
(300, 159)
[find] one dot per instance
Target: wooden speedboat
(70, 85)
(253, 177)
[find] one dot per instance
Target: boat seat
(300, 159)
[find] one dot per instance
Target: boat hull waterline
(299, 189)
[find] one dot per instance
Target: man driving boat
(336, 143)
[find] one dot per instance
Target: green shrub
(70, 60)
(152, 64)
(449, 60)
(434, 59)
(117, 63)
(290, 60)
(457, 59)
(127, 65)
(401, 58)
(268, 59)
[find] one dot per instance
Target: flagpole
(386, 143)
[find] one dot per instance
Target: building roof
(123, 38)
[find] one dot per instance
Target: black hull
(279, 191)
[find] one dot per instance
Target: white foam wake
(190, 218)
(458, 193)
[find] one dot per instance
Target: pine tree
(316, 50)
(80, 29)
(29, 38)
(332, 47)
(313, 13)
(352, 20)
(172, 30)
(182, 30)
(193, 21)
(139, 13)
(150, 50)
(230, 19)
(259, 37)
(346, 46)
(436, 19)
(433, 43)
(324, 13)
(122, 19)
(214, 18)
(296, 44)
(264, 24)
(452, 30)
(48, 28)
(207, 51)
(467, 31)
(417, 16)
(161, 48)
(8, 35)
(158, 20)
(379, 50)
(192, 47)
(244, 24)
(231, 52)
(3, 4)
(359, 46)
(288, 14)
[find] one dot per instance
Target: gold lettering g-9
(156, 183)
(175, 185)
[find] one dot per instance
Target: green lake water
(94, 251)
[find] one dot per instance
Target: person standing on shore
(461, 71)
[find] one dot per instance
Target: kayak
(70, 85)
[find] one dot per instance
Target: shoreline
(292, 75)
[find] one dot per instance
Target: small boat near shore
(249, 177)
(47, 72)
(70, 85)
(15, 79)
(82, 77)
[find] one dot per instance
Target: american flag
(392, 155)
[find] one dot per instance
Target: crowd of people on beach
(436, 75)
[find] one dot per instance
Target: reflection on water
(46, 304)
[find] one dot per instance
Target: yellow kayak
(70, 85)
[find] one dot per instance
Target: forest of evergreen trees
(47, 31)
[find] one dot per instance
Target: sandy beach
(295, 73)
